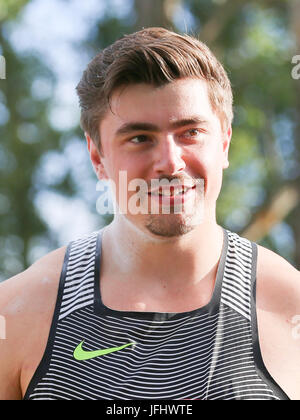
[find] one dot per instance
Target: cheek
(214, 165)
(213, 159)
(124, 171)
(208, 165)
(199, 163)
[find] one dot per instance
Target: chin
(170, 228)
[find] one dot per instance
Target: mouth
(174, 197)
(171, 191)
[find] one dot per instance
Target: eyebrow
(128, 128)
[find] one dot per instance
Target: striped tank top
(211, 353)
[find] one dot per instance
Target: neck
(137, 254)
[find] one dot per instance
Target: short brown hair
(154, 56)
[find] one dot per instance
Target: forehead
(161, 106)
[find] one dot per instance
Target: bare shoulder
(26, 290)
(27, 303)
(278, 315)
(278, 283)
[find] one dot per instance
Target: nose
(169, 157)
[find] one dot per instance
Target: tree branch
(283, 202)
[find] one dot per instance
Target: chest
(195, 355)
(134, 295)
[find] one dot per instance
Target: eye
(139, 139)
(193, 133)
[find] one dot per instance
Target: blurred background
(48, 190)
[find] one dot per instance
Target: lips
(172, 196)
(171, 191)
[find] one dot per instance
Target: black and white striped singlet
(211, 353)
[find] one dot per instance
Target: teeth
(169, 193)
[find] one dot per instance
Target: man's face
(169, 133)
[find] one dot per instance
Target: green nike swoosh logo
(80, 354)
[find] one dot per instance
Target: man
(160, 304)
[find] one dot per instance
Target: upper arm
(10, 363)
(26, 306)
(9, 375)
(278, 308)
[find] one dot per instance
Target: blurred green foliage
(10, 8)
(255, 42)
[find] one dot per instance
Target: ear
(96, 158)
(226, 144)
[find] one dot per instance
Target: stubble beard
(168, 221)
(169, 228)
(172, 225)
